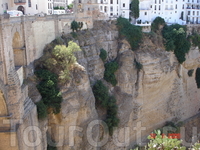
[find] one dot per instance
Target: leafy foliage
(61, 60)
(190, 72)
(103, 54)
(51, 97)
(196, 40)
(164, 143)
(74, 26)
(132, 33)
(196, 146)
(109, 102)
(51, 147)
(135, 12)
(198, 77)
(101, 93)
(57, 7)
(70, 6)
(112, 120)
(110, 69)
(41, 110)
(176, 40)
(156, 23)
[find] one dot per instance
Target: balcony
(19, 2)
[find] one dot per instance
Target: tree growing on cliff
(135, 8)
(74, 26)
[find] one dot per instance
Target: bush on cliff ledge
(176, 40)
(109, 73)
(103, 99)
(132, 33)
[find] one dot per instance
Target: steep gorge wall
(162, 91)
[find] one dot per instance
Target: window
(29, 3)
(117, 1)
(183, 6)
(155, 1)
(36, 7)
(123, 4)
(79, 1)
(111, 14)
(145, 13)
(105, 9)
(7, 6)
(159, 7)
(101, 8)
(155, 7)
(176, 6)
(111, 1)
(197, 13)
(111, 8)
(188, 12)
(193, 12)
(101, 1)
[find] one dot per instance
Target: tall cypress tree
(135, 8)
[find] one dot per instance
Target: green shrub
(190, 72)
(41, 109)
(74, 34)
(164, 143)
(112, 120)
(196, 40)
(198, 77)
(61, 60)
(132, 33)
(74, 26)
(103, 54)
(51, 147)
(110, 69)
(138, 65)
(102, 97)
(101, 93)
(176, 40)
(156, 23)
(51, 97)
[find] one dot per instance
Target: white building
(31, 7)
(60, 3)
(115, 8)
(173, 11)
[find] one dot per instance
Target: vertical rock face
(161, 91)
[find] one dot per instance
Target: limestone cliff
(162, 91)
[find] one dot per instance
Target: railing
(19, 1)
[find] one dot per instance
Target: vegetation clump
(198, 77)
(74, 26)
(108, 102)
(135, 12)
(103, 54)
(51, 97)
(196, 40)
(190, 72)
(176, 40)
(54, 68)
(61, 60)
(156, 23)
(110, 69)
(132, 33)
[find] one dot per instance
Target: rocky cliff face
(162, 91)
